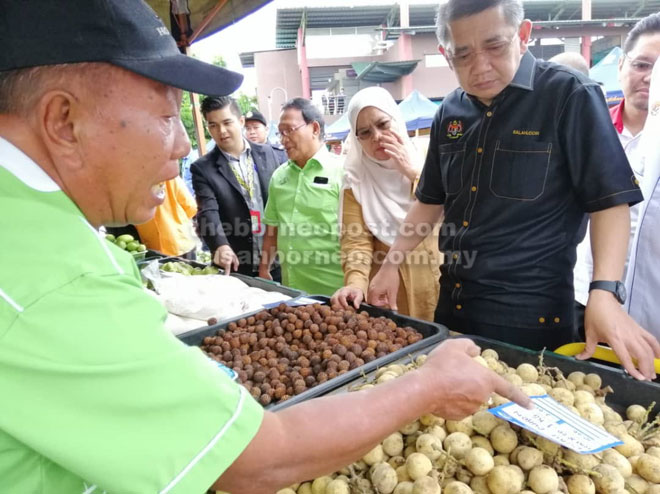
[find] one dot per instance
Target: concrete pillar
(586, 40)
(302, 63)
(405, 48)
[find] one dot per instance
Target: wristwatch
(617, 288)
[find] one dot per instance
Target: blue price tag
(233, 375)
(557, 423)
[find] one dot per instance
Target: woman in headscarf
(381, 172)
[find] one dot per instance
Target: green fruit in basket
(125, 238)
(110, 237)
(210, 270)
(132, 246)
(186, 269)
(121, 244)
(197, 271)
(141, 248)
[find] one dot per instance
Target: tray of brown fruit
(290, 354)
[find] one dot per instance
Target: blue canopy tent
(338, 130)
(607, 72)
(418, 111)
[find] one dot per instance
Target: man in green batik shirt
(303, 199)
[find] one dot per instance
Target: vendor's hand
(384, 287)
(225, 257)
(265, 274)
(605, 321)
(460, 384)
(347, 294)
(393, 145)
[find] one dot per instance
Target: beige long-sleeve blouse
(363, 254)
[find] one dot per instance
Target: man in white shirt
(640, 50)
(643, 276)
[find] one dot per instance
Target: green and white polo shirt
(96, 395)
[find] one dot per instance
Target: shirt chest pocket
(520, 170)
(318, 198)
(452, 158)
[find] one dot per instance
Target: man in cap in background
(97, 395)
(256, 130)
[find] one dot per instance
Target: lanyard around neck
(245, 180)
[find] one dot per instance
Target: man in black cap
(96, 395)
(256, 130)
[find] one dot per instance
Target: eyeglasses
(494, 50)
(367, 133)
(288, 132)
(640, 66)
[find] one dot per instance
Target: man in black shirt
(518, 154)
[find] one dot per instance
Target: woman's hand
(347, 294)
(394, 147)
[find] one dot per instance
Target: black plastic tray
(627, 390)
(432, 334)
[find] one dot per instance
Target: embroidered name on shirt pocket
(452, 157)
(520, 170)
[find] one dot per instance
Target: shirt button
(454, 257)
(636, 182)
(459, 307)
(480, 150)
(541, 320)
(458, 285)
(465, 223)
(556, 319)
(474, 188)
(489, 114)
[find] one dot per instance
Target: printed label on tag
(255, 216)
(557, 423)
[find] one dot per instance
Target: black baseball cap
(255, 115)
(125, 33)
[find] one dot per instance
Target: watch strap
(616, 288)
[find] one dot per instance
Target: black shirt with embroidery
(516, 179)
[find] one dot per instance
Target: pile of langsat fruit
(482, 454)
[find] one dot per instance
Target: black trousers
(579, 321)
(534, 338)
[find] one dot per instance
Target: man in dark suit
(231, 188)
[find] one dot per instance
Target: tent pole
(198, 123)
(205, 22)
